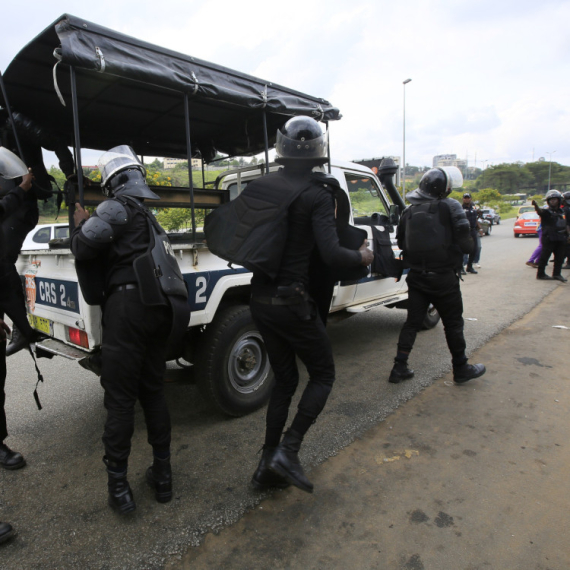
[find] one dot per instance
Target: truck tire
(431, 319)
(233, 370)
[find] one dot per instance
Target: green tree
(506, 178)
(175, 219)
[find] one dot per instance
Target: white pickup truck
(225, 111)
(222, 342)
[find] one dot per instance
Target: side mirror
(394, 214)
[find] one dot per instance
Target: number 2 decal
(201, 284)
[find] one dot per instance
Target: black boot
(93, 363)
(467, 372)
(120, 495)
(400, 372)
(285, 461)
(264, 478)
(10, 459)
(6, 531)
(159, 477)
(19, 341)
(471, 270)
(543, 276)
(560, 278)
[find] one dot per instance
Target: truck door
(367, 199)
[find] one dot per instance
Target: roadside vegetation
(495, 187)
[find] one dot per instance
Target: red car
(527, 224)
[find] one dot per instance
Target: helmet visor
(302, 149)
(10, 165)
(117, 159)
(454, 176)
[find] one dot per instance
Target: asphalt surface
(462, 477)
(57, 502)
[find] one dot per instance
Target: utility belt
(293, 296)
(123, 287)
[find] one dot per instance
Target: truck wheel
(431, 319)
(233, 369)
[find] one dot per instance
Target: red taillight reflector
(78, 337)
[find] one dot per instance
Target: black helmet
(434, 184)
(566, 196)
(301, 139)
(553, 194)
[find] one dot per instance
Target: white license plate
(533, 224)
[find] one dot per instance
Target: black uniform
(286, 315)
(134, 340)
(554, 239)
(472, 216)
(9, 204)
(566, 210)
(436, 281)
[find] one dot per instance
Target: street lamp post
(550, 167)
(404, 144)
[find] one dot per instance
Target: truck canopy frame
(129, 92)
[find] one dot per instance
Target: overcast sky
(490, 79)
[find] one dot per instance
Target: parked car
(491, 215)
(41, 235)
(486, 226)
(527, 224)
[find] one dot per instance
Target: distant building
(170, 163)
(449, 160)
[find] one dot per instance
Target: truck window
(233, 189)
(62, 232)
(365, 196)
(42, 235)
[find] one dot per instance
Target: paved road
(58, 502)
(469, 477)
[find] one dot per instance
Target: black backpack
(427, 242)
(251, 230)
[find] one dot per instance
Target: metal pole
(266, 143)
(404, 144)
(11, 117)
(189, 154)
(78, 164)
(328, 146)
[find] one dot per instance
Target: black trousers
(550, 247)
(442, 290)
(3, 428)
(133, 366)
(12, 300)
(286, 336)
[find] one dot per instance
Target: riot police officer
(434, 234)
(282, 308)
(112, 250)
(566, 208)
(11, 167)
(554, 235)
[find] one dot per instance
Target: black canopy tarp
(131, 92)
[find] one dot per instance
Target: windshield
(529, 215)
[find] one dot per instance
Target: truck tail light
(78, 337)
